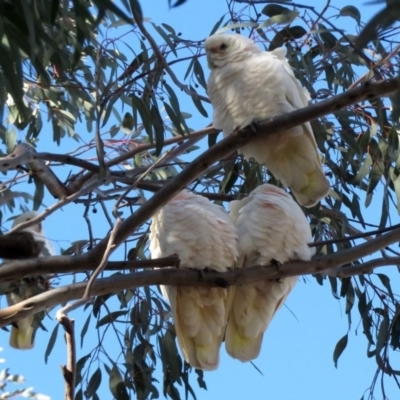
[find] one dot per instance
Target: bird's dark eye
(223, 46)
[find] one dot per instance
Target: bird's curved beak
(213, 49)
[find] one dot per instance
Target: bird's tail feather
(21, 336)
(253, 308)
(200, 316)
(239, 346)
(292, 157)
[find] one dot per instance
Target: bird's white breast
(254, 89)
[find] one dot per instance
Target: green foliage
(60, 74)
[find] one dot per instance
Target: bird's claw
(254, 126)
(276, 263)
(201, 274)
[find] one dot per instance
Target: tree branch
(239, 139)
(16, 270)
(364, 268)
(26, 154)
(56, 206)
(162, 60)
(69, 370)
(170, 276)
(78, 182)
(103, 261)
(222, 149)
(332, 263)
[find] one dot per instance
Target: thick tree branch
(68, 159)
(48, 177)
(227, 146)
(172, 276)
(241, 138)
(16, 270)
(22, 154)
(332, 263)
(25, 154)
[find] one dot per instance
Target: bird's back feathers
(272, 229)
(203, 236)
(248, 86)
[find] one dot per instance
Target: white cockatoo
(22, 332)
(246, 86)
(203, 236)
(272, 228)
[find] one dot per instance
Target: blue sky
(296, 359)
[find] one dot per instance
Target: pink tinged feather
(271, 226)
(249, 86)
(203, 236)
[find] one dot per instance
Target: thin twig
(79, 182)
(162, 60)
(69, 370)
(364, 268)
(66, 200)
(88, 222)
(110, 247)
(353, 237)
(148, 146)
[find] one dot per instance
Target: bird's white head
(183, 195)
(269, 189)
(223, 48)
(27, 216)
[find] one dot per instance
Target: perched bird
(246, 86)
(203, 236)
(272, 229)
(22, 332)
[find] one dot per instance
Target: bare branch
(241, 138)
(143, 147)
(69, 370)
(66, 200)
(22, 154)
(331, 263)
(169, 276)
(15, 270)
(364, 268)
(103, 262)
(26, 154)
(67, 159)
(360, 235)
(49, 178)
(80, 180)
